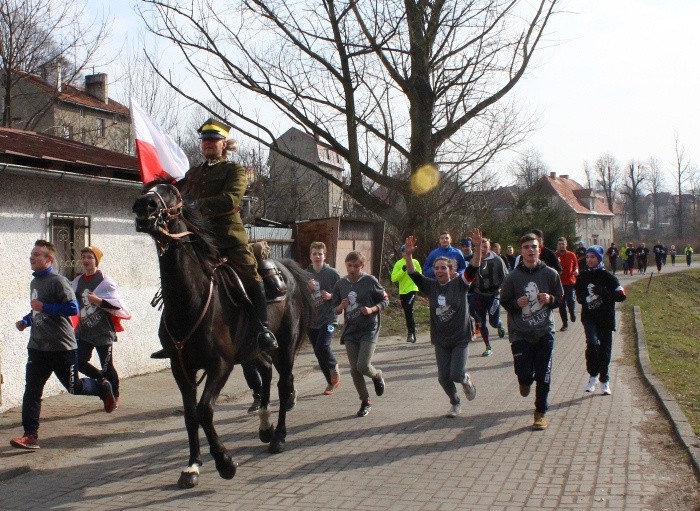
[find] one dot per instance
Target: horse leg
(266, 429)
(189, 477)
(216, 379)
(285, 387)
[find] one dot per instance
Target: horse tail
(308, 309)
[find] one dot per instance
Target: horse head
(159, 213)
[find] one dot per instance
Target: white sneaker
(605, 387)
(469, 389)
(592, 381)
(454, 410)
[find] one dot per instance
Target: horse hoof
(227, 467)
(266, 434)
(187, 480)
(276, 447)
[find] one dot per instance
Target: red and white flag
(158, 154)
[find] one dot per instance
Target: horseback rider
(218, 186)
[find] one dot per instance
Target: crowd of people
(466, 288)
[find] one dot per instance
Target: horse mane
(306, 314)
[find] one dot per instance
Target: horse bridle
(163, 215)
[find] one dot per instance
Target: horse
(206, 324)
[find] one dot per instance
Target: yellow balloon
(424, 179)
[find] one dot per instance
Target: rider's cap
(213, 129)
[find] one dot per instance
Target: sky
(614, 76)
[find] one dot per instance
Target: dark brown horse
(206, 324)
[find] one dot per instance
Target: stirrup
(267, 340)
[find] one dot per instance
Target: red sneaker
(28, 441)
(107, 396)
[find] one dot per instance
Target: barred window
(70, 233)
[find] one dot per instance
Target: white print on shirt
(90, 314)
(316, 293)
(593, 300)
(353, 309)
(443, 312)
(533, 313)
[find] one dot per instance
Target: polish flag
(158, 154)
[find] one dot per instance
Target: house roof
(574, 195)
(38, 150)
(77, 96)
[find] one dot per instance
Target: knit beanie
(96, 252)
(597, 251)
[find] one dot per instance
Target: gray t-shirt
(366, 292)
(449, 310)
(95, 324)
(534, 320)
(325, 281)
(49, 332)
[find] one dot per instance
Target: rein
(179, 345)
(165, 214)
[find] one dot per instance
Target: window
(100, 128)
(70, 233)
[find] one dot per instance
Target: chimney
(564, 176)
(553, 175)
(51, 73)
(96, 86)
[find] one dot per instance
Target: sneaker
(564, 328)
(469, 389)
(365, 407)
(107, 396)
(26, 441)
(501, 331)
(605, 388)
(540, 422)
(413, 338)
(454, 410)
(378, 381)
(255, 406)
(592, 381)
(487, 352)
(525, 390)
(330, 389)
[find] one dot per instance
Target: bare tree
(528, 168)
(44, 34)
(633, 190)
(424, 81)
(681, 175)
(588, 173)
(607, 170)
(655, 186)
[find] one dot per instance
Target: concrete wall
(129, 257)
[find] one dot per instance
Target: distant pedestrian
(597, 290)
(672, 251)
(642, 256)
(623, 257)
(659, 254)
(445, 249)
(631, 254)
(510, 257)
(101, 311)
(325, 322)
(407, 292)
(529, 294)
(484, 295)
(450, 332)
(581, 255)
(52, 347)
(613, 253)
(688, 254)
(360, 298)
(569, 272)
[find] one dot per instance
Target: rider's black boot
(266, 339)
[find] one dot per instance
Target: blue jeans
(452, 368)
(569, 302)
(533, 363)
(598, 350)
(40, 366)
(480, 307)
(321, 340)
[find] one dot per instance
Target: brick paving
(404, 456)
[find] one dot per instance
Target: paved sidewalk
(406, 455)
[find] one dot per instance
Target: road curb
(680, 422)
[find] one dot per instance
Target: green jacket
(219, 190)
(399, 274)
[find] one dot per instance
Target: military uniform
(218, 187)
